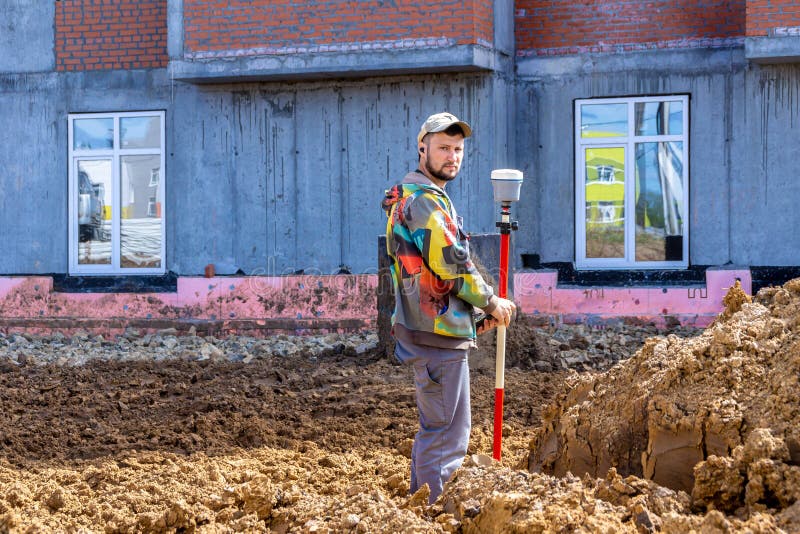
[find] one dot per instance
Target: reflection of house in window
(607, 211)
(152, 209)
(154, 177)
(605, 173)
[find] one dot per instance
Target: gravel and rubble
(550, 348)
(80, 348)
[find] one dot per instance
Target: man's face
(443, 155)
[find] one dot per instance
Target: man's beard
(439, 175)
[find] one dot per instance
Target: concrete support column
(175, 29)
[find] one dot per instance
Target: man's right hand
(504, 311)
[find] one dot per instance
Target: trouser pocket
(430, 395)
(442, 392)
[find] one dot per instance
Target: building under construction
(220, 164)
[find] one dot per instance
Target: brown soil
(717, 415)
(287, 441)
(277, 443)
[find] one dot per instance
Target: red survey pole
(506, 184)
(499, 385)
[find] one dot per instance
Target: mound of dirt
(495, 499)
(715, 415)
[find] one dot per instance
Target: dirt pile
(495, 499)
(716, 415)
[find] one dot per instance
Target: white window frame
(115, 154)
(628, 142)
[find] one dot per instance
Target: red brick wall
(283, 26)
(554, 27)
(110, 34)
(772, 17)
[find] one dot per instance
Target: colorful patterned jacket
(436, 284)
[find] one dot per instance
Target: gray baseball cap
(440, 122)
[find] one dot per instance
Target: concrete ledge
(690, 61)
(537, 293)
(253, 304)
(291, 64)
(262, 305)
(781, 49)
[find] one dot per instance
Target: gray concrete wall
(765, 189)
(26, 36)
(277, 177)
(744, 126)
(34, 152)
(33, 183)
(291, 175)
(262, 178)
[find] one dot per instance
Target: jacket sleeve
(436, 235)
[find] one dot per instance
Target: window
(631, 182)
(152, 210)
(116, 193)
(605, 173)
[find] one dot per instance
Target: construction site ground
(166, 433)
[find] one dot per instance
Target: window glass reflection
(659, 201)
(93, 134)
(141, 207)
(659, 118)
(605, 202)
(94, 212)
(140, 132)
(604, 120)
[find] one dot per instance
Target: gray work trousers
(441, 377)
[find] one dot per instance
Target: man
(437, 289)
